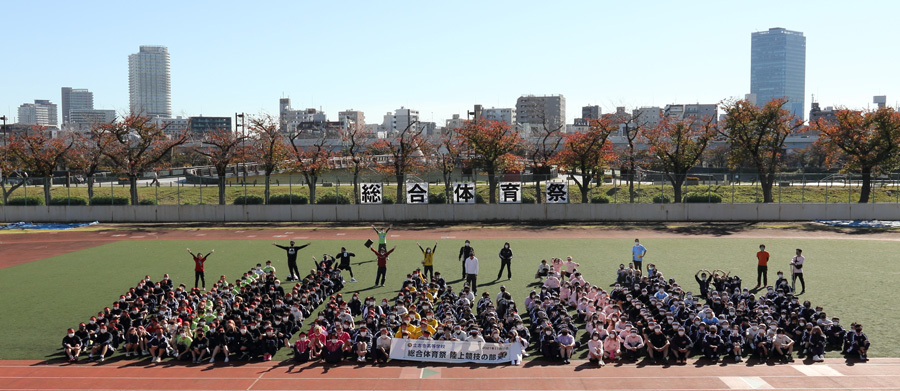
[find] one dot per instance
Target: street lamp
(243, 130)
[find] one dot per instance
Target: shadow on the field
(714, 229)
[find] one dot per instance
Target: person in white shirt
(783, 345)
(472, 271)
(797, 272)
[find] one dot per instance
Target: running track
(834, 374)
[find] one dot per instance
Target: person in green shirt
(183, 343)
(269, 268)
(382, 236)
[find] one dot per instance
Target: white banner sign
(557, 193)
(451, 351)
(416, 193)
(510, 192)
(370, 193)
(463, 192)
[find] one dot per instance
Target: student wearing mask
(382, 346)
(633, 344)
(303, 349)
(681, 346)
(817, 344)
(199, 346)
(783, 345)
(72, 345)
(199, 269)
(382, 236)
(269, 343)
(762, 266)
(472, 271)
(344, 262)
(218, 341)
(101, 342)
(595, 349)
(638, 251)
(612, 346)
(292, 251)
(797, 271)
(159, 344)
(658, 346)
(506, 256)
(858, 342)
(428, 260)
(566, 343)
(464, 253)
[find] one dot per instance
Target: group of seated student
(641, 316)
(249, 318)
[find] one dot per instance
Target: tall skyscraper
(149, 82)
(75, 99)
(778, 68)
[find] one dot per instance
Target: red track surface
(834, 374)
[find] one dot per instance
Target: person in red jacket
(382, 263)
(198, 267)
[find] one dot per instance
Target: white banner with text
(451, 351)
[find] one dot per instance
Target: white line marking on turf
(817, 370)
(251, 236)
(255, 381)
(448, 237)
(279, 236)
(341, 234)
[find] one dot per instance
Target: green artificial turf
(852, 279)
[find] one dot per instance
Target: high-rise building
(699, 112)
(201, 124)
(401, 119)
(506, 115)
(41, 113)
(75, 99)
(590, 112)
(548, 111)
(149, 82)
(83, 120)
(291, 119)
(778, 68)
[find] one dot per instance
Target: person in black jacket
(464, 252)
(218, 341)
(344, 262)
(102, 339)
(506, 255)
(681, 346)
(294, 273)
(72, 344)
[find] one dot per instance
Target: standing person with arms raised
(506, 255)
(292, 259)
(428, 260)
(382, 236)
(637, 254)
(199, 269)
(464, 252)
(762, 266)
(797, 271)
(471, 264)
(382, 256)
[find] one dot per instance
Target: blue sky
(438, 57)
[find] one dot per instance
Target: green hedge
(288, 199)
(437, 198)
(68, 201)
(662, 199)
(30, 200)
(249, 200)
(527, 199)
(387, 200)
(110, 200)
(600, 199)
(332, 199)
(147, 201)
(702, 197)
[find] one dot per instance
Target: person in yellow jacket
(414, 331)
(428, 261)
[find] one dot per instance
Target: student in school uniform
(712, 344)
(199, 346)
(506, 255)
(595, 349)
(612, 346)
(72, 345)
(382, 346)
(566, 343)
(782, 345)
(218, 341)
(269, 343)
(658, 345)
(681, 346)
(797, 271)
(858, 342)
(101, 342)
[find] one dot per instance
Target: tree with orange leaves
(268, 146)
(406, 150)
(678, 146)
(446, 158)
(223, 147)
(8, 165)
(87, 154)
(492, 145)
(40, 154)
(756, 135)
(868, 141)
(356, 152)
(310, 160)
(136, 145)
(586, 153)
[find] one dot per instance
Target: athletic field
(54, 280)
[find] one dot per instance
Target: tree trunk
(631, 173)
(47, 182)
(356, 185)
(765, 182)
(132, 185)
(400, 185)
(584, 186)
(447, 187)
(677, 181)
(7, 193)
(266, 191)
(492, 177)
(90, 186)
(537, 189)
(222, 188)
(311, 183)
(866, 185)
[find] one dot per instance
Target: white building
(172, 126)
(696, 111)
(549, 111)
(291, 119)
(41, 113)
(83, 120)
(454, 123)
(500, 115)
(400, 120)
(149, 82)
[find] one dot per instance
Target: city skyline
(338, 58)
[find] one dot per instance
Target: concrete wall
(452, 213)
